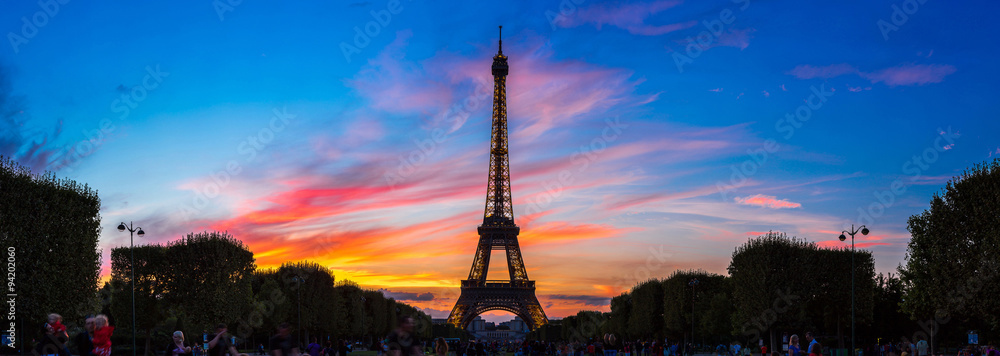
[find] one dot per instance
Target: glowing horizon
(635, 151)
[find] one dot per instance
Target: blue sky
(251, 118)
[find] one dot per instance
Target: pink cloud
(542, 92)
(825, 72)
(911, 74)
(838, 244)
(390, 83)
(766, 201)
(629, 17)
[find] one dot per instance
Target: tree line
(776, 283)
(203, 279)
(944, 289)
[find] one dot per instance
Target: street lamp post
(132, 231)
(694, 284)
(864, 231)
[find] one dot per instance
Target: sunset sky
(645, 136)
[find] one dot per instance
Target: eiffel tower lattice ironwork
(498, 232)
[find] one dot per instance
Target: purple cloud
(907, 74)
(825, 72)
(408, 296)
(584, 299)
(629, 17)
(911, 74)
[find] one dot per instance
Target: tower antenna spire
(501, 40)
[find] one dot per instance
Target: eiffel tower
(498, 232)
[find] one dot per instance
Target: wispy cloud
(907, 74)
(767, 201)
(834, 70)
(591, 300)
(25, 146)
(912, 74)
(423, 297)
(631, 17)
(739, 38)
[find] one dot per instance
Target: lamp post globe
(131, 232)
(843, 236)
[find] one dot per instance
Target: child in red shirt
(102, 336)
(55, 321)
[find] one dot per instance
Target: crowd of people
(95, 340)
(906, 347)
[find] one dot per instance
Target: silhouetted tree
(951, 268)
(50, 226)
